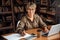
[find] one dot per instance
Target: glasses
(31, 9)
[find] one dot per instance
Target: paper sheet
(17, 36)
(54, 29)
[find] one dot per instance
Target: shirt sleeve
(42, 23)
(20, 25)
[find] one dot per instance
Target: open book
(17, 36)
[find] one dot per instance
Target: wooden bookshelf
(10, 9)
(7, 15)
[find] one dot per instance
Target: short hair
(30, 4)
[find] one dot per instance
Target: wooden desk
(35, 32)
(54, 37)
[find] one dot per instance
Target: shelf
(9, 27)
(9, 12)
(5, 25)
(5, 5)
(7, 15)
(43, 5)
(6, 2)
(43, 11)
(45, 8)
(6, 12)
(51, 13)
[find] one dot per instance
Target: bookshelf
(43, 7)
(12, 10)
(47, 11)
(6, 15)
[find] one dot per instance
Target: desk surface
(54, 37)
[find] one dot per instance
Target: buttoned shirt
(25, 22)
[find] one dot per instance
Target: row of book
(5, 9)
(5, 2)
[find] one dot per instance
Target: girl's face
(31, 11)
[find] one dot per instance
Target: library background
(11, 11)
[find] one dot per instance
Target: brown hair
(30, 4)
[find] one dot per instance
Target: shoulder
(23, 19)
(37, 16)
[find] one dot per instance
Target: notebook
(54, 29)
(17, 36)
